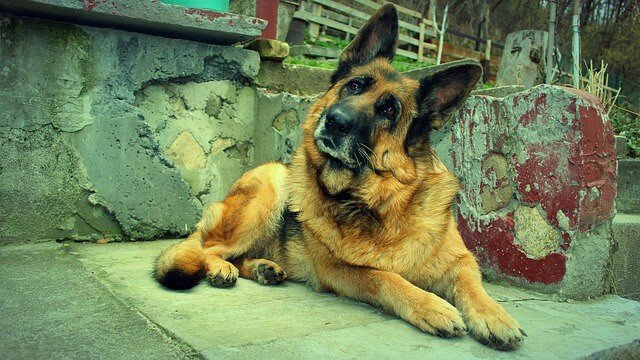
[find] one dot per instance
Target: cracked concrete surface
(98, 127)
(110, 307)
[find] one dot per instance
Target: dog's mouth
(338, 152)
(338, 158)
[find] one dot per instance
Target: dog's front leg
(486, 320)
(391, 291)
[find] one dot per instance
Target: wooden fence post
(314, 28)
(486, 62)
(421, 42)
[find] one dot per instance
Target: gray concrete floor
(100, 302)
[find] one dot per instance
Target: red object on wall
(268, 10)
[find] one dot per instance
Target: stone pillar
(523, 59)
(538, 176)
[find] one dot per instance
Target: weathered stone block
(538, 176)
(628, 199)
(132, 179)
(524, 58)
(625, 259)
(270, 49)
(205, 129)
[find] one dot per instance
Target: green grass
(401, 63)
(329, 41)
(627, 124)
(301, 60)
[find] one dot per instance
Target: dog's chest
(387, 249)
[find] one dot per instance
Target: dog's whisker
(364, 153)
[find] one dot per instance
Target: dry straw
(597, 83)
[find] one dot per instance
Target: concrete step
(628, 199)
(625, 264)
(111, 306)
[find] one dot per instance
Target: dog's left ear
(441, 94)
(377, 38)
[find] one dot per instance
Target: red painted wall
(268, 10)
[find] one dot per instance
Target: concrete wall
(114, 134)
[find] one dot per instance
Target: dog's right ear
(377, 38)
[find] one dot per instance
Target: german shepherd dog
(364, 209)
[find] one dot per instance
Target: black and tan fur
(365, 207)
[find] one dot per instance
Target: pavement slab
(100, 301)
(53, 308)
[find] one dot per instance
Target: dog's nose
(339, 122)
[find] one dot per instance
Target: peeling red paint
(495, 247)
(207, 14)
(539, 105)
(597, 166)
(200, 15)
(543, 180)
(89, 5)
(541, 101)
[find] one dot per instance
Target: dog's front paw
(436, 316)
(493, 326)
(223, 274)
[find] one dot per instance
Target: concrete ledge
(315, 51)
(295, 79)
(149, 16)
(293, 322)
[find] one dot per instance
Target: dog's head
(373, 121)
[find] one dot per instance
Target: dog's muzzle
(335, 136)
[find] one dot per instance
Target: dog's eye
(389, 111)
(355, 87)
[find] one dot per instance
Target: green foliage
(401, 63)
(628, 125)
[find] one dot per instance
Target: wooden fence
(334, 15)
(417, 40)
